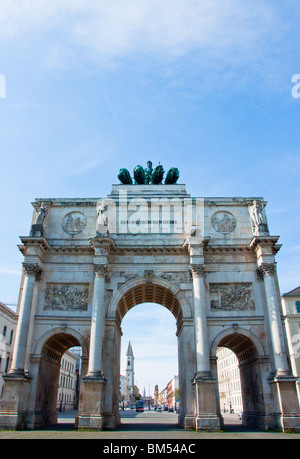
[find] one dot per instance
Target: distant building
(169, 396)
(156, 395)
(130, 395)
(173, 392)
(291, 309)
(123, 388)
(229, 381)
(68, 390)
(8, 320)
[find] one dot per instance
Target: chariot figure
(125, 177)
(148, 173)
(148, 176)
(157, 175)
(172, 176)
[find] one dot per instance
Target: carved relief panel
(231, 297)
(223, 222)
(66, 297)
(74, 223)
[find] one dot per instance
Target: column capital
(101, 270)
(33, 269)
(266, 269)
(197, 270)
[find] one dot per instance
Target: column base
(91, 416)
(14, 413)
(90, 422)
(17, 375)
(211, 423)
(95, 375)
(207, 417)
(288, 420)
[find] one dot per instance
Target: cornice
(265, 240)
(226, 248)
(28, 241)
(66, 202)
(149, 249)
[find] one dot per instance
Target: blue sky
(205, 86)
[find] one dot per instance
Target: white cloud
(10, 271)
(221, 44)
(169, 28)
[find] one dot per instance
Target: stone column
(17, 383)
(93, 385)
(205, 385)
(98, 321)
(93, 391)
(285, 413)
(200, 321)
(268, 271)
(32, 272)
(283, 382)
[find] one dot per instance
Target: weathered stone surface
(199, 257)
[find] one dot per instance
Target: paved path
(148, 425)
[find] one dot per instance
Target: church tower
(130, 374)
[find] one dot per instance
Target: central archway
(164, 293)
(149, 335)
(148, 293)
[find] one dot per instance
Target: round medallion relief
(74, 223)
(223, 222)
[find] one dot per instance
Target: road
(149, 425)
(150, 420)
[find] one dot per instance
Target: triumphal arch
(210, 261)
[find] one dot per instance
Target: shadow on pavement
(133, 421)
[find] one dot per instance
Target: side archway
(61, 339)
(242, 342)
(47, 358)
(252, 365)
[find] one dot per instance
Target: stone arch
(47, 358)
(129, 295)
(243, 342)
(159, 291)
(68, 337)
(252, 360)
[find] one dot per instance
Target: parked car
(159, 408)
(171, 409)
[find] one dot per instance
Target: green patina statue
(172, 176)
(148, 176)
(125, 177)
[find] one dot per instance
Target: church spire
(130, 375)
(129, 350)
